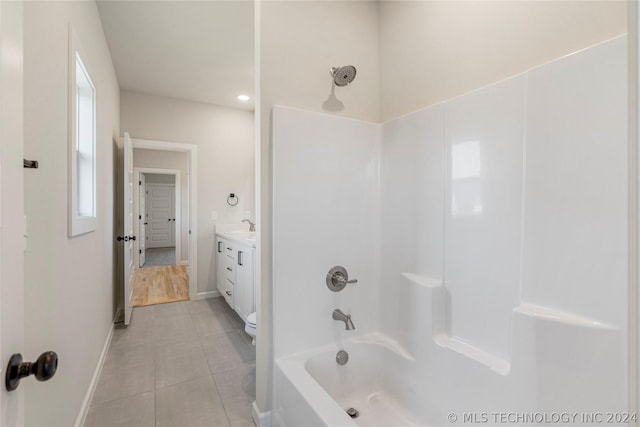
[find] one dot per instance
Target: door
(173, 217)
(11, 206)
(142, 218)
(128, 236)
(161, 215)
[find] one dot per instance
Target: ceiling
(193, 50)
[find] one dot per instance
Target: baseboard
(183, 263)
(205, 295)
(119, 316)
(260, 419)
(84, 409)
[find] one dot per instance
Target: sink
(251, 235)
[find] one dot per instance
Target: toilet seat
(251, 319)
(250, 326)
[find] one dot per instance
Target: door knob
(132, 238)
(44, 369)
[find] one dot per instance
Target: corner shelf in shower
(440, 333)
(438, 296)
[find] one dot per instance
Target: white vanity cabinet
(235, 273)
(220, 260)
(244, 298)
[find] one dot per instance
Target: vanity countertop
(244, 237)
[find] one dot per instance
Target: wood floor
(158, 285)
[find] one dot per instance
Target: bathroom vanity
(235, 262)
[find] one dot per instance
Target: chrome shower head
(342, 76)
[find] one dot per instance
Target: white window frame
(79, 224)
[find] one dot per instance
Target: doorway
(152, 158)
(159, 209)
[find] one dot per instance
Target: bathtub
(314, 390)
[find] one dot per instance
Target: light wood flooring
(159, 285)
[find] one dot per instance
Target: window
(82, 145)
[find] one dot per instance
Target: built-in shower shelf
(441, 336)
(495, 363)
(554, 315)
(427, 282)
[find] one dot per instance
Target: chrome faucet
(346, 318)
(252, 226)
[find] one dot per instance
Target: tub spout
(346, 318)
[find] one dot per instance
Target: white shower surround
(488, 234)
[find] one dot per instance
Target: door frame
(633, 60)
(192, 192)
(13, 233)
(177, 212)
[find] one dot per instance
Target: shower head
(342, 76)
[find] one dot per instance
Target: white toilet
(250, 327)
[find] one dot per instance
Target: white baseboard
(205, 295)
(183, 263)
(261, 419)
(84, 409)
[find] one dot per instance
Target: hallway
(156, 257)
(186, 364)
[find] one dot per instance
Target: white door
(11, 206)
(142, 218)
(173, 217)
(161, 215)
(128, 228)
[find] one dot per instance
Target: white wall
(325, 212)
(431, 51)
(425, 52)
(224, 137)
(535, 281)
(69, 282)
(575, 252)
(169, 160)
(156, 178)
(484, 146)
(503, 249)
(297, 43)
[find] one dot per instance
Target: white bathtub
(314, 390)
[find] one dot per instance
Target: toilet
(250, 327)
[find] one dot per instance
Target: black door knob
(132, 238)
(44, 369)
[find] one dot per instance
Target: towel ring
(232, 200)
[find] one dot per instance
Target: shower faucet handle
(338, 278)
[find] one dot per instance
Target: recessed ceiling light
(243, 97)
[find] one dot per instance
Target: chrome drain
(342, 357)
(353, 413)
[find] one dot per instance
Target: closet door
(161, 215)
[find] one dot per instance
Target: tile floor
(181, 364)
